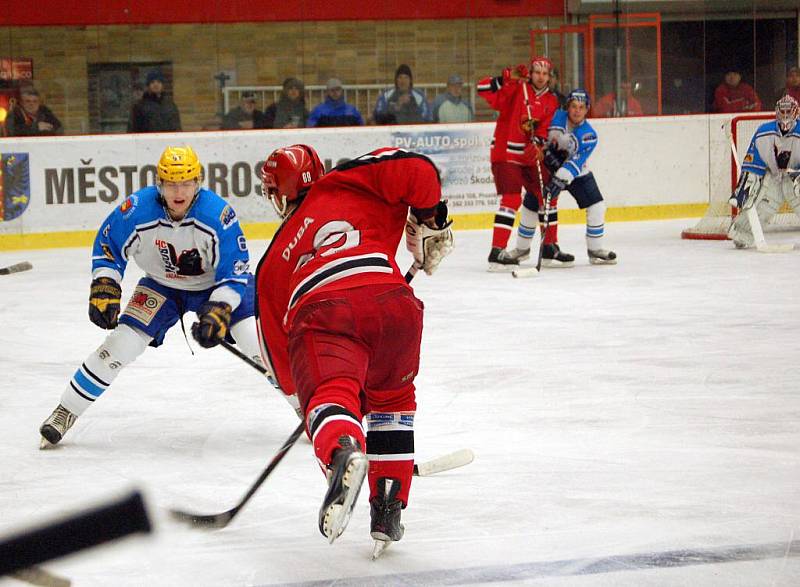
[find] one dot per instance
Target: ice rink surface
(633, 425)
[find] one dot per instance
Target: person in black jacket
(31, 118)
(155, 112)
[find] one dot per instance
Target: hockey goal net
(714, 225)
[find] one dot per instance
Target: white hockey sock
(595, 225)
(528, 221)
(245, 334)
(121, 347)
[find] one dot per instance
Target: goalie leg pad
(746, 190)
(120, 348)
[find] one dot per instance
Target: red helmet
(288, 173)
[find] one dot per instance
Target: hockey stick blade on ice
(224, 518)
(454, 460)
(524, 272)
(16, 268)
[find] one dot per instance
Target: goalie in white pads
(571, 140)
(769, 175)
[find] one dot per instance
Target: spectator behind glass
(607, 107)
(243, 116)
(31, 118)
(450, 106)
(402, 104)
(733, 95)
(155, 112)
(554, 89)
(290, 109)
(334, 111)
(792, 84)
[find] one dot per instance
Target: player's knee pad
(596, 214)
(120, 348)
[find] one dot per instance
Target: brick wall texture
(357, 52)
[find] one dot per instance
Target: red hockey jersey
(344, 234)
(507, 96)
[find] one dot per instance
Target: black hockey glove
(214, 319)
(554, 187)
(104, 298)
(554, 159)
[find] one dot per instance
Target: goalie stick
(16, 268)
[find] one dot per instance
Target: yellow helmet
(178, 164)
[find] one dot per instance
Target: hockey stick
(534, 271)
(16, 268)
(41, 577)
(85, 529)
(454, 460)
(223, 519)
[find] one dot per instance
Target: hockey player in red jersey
(338, 322)
(525, 107)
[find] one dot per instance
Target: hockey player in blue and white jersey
(570, 142)
(770, 174)
(190, 245)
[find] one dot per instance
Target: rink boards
(55, 191)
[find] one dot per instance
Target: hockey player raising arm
(525, 106)
(571, 140)
(189, 243)
(769, 174)
(339, 323)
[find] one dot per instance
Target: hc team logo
(15, 185)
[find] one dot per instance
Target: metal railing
(362, 96)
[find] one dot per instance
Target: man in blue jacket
(334, 111)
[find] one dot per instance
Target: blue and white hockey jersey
(204, 250)
(771, 151)
(578, 142)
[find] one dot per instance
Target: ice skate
(347, 472)
(552, 256)
(502, 261)
(602, 257)
(55, 427)
(385, 510)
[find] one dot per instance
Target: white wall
(74, 182)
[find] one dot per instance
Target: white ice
(633, 425)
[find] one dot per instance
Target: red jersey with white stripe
(507, 96)
(344, 234)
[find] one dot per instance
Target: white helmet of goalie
(787, 111)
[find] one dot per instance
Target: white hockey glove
(430, 244)
(746, 190)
